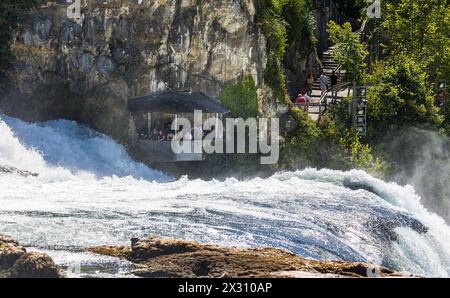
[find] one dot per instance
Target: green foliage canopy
(350, 52)
(241, 98)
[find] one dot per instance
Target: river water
(90, 192)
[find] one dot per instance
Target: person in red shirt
(300, 98)
(303, 98)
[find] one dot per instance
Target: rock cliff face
(86, 68)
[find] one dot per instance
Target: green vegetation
(350, 52)
(421, 30)
(412, 42)
(241, 98)
(284, 22)
(400, 95)
(328, 144)
(11, 12)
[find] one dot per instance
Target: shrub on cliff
(283, 23)
(350, 52)
(241, 98)
(399, 94)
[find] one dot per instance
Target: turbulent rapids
(89, 192)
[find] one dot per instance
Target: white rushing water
(89, 192)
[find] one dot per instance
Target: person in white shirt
(323, 80)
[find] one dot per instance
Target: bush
(241, 98)
(399, 95)
(349, 52)
(284, 22)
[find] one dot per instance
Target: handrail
(359, 31)
(324, 98)
(362, 28)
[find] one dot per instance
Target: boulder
(15, 262)
(10, 252)
(161, 257)
(34, 265)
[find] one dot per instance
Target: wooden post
(354, 103)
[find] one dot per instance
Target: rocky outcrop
(158, 257)
(86, 68)
(15, 262)
(12, 170)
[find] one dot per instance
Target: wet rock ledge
(159, 257)
(15, 262)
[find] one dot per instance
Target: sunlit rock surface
(15, 262)
(161, 257)
(87, 68)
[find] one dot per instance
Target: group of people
(162, 135)
(325, 83)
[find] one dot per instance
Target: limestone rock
(15, 262)
(68, 68)
(160, 257)
(34, 265)
(10, 252)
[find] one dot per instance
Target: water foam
(317, 214)
(68, 146)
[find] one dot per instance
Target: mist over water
(70, 146)
(422, 159)
(89, 192)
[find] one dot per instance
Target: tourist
(334, 82)
(323, 80)
(154, 135)
(333, 79)
(302, 99)
(161, 136)
(170, 136)
(310, 83)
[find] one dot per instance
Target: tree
(414, 38)
(284, 22)
(399, 94)
(420, 28)
(350, 52)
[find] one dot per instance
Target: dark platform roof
(175, 102)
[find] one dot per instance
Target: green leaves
(284, 22)
(349, 52)
(420, 28)
(241, 98)
(399, 94)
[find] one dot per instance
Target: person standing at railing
(323, 80)
(333, 79)
(334, 82)
(310, 84)
(302, 99)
